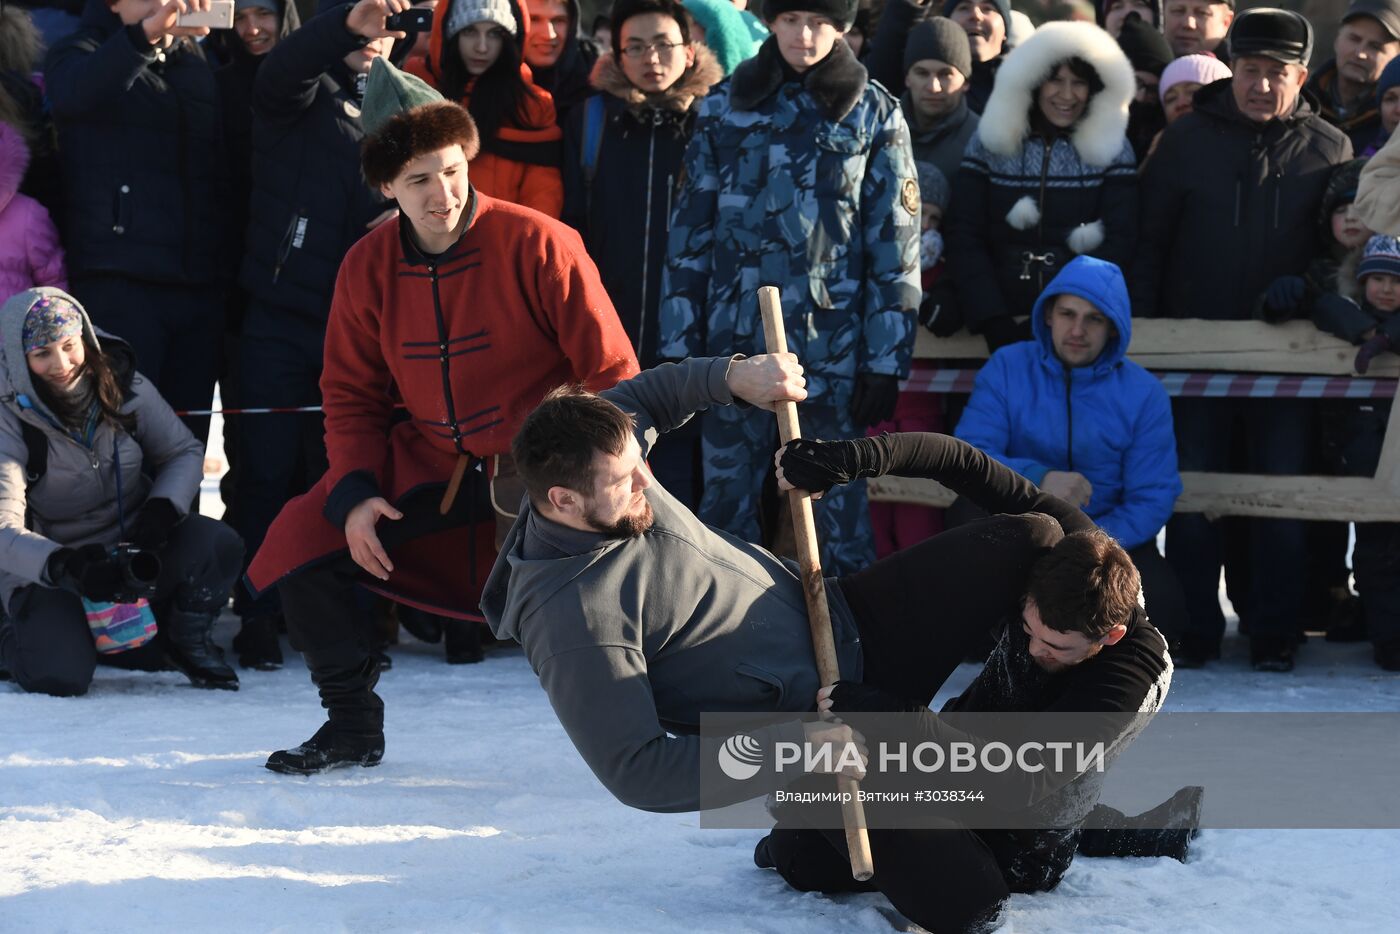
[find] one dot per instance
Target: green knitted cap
(389, 92)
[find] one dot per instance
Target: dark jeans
(324, 620)
(967, 580)
(174, 329)
(1276, 434)
(280, 455)
(45, 642)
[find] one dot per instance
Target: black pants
(280, 455)
(323, 618)
(45, 642)
(174, 329)
(945, 880)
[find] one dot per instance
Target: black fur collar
(837, 81)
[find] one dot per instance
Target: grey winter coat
(628, 680)
(76, 501)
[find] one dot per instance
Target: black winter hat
(1385, 12)
(1145, 47)
(840, 12)
(941, 38)
(1282, 35)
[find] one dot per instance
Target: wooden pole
(814, 589)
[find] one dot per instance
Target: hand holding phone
(411, 20)
(219, 15)
(370, 18)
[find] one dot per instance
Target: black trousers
(46, 645)
(324, 621)
(174, 329)
(967, 580)
(280, 455)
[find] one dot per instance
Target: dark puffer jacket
(1229, 204)
(309, 202)
(624, 215)
(143, 162)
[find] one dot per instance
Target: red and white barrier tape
(1198, 385)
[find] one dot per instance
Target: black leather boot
(354, 734)
(332, 747)
(1166, 830)
(189, 644)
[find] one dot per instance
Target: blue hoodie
(1110, 421)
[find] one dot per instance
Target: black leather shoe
(1271, 653)
(329, 749)
(257, 644)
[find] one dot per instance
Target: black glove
(874, 399)
(154, 523)
(87, 571)
(939, 312)
(1341, 316)
(1376, 345)
(1000, 331)
(817, 466)
(856, 697)
(1283, 298)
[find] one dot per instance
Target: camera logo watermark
(740, 757)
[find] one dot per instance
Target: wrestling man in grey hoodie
(637, 617)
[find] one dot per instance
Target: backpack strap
(592, 140)
(38, 444)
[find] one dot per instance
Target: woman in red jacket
(474, 56)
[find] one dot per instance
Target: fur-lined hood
(695, 83)
(1098, 136)
(14, 162)
(837, 81)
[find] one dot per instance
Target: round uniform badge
(910, 196)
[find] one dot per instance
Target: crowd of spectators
(181, 200)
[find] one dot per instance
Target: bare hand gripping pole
(814, 589)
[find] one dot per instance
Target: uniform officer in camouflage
(799, 175)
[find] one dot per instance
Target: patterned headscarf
(51, 319)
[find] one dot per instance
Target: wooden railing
(1233, 347)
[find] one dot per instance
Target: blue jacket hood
(1101, 284)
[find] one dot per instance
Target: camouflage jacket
(809, 187)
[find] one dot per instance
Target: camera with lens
(140, 569)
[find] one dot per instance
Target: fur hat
(404, 118)
(1202, 69)
(840, 12)
(939, 38)
(1099, 134)
(1382, 255)
(1282, 35)
(466, 13)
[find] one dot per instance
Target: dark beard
(630, 526)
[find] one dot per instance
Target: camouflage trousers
(738, 444)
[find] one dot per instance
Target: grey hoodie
(633, 638)
(75, 502)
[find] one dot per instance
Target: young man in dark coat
(637, 617)
(1229, 203)
(309, 205)
(145, 173)
(623, 151)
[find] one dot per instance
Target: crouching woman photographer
(98, 560)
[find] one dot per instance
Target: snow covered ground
(144, 806)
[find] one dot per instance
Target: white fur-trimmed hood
(1098, 137)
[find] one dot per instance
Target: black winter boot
(189, 643)
(355, 733)
(331, 748)
(1166, 830)
(257, 644)
(463, 641)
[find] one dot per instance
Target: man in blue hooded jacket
(1071, 414)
